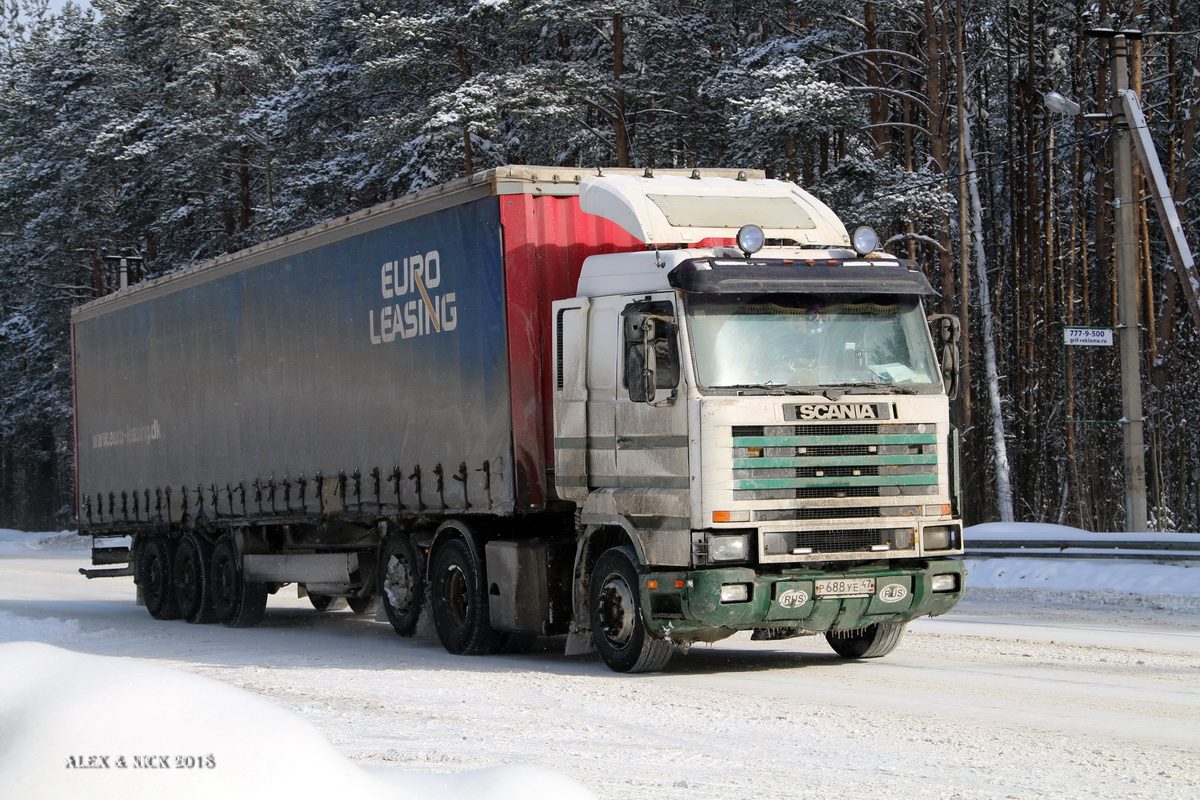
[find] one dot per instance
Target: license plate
(845, 587)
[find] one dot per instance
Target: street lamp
(1059, 104)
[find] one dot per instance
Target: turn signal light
(731, 516)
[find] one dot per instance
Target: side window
(651, 349)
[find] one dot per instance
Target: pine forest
(150, 135)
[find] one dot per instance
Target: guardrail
(1080, 544)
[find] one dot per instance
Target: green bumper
(689, 604)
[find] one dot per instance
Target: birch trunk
(1004, 493)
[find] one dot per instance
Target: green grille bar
(860, 480)
(841, 439)
(836, 461)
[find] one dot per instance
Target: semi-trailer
(636, 409)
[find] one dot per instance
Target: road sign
(1088, 337)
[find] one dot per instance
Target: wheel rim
(616, 607)
(455, 596)
(398, 584)
(155, 579)
(224, 580)
(188, 580)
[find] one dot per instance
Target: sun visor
(680, 210)
(729, 276)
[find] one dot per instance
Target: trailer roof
(508, 180)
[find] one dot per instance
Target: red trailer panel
(546, 240)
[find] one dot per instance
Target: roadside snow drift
(100, 727)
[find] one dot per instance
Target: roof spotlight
(865, 240)
(750, 239)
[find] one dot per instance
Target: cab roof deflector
(672, 209)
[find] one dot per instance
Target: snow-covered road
(1003, 698)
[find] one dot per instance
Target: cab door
(650, 412)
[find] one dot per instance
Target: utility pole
(1129, 129)
(1127, 292)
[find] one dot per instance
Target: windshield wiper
(774, 388)
(866, 387)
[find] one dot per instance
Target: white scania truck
(642, 410)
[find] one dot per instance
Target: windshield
(809, 341)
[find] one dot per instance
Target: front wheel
(873, 641)
(460, 608)
(615, 613)
(237, 602)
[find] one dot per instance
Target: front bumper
(689, 606)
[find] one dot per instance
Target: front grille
(839, 541)
(871, 467)
(822, 461)
(822, 493)
(871, 540)
(776, 514)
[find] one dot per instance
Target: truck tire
(153, 575)
(401, 583)
(325, 602)
(237, 602)
(615, 614)
(460, 607)
(192, 576)
(873, 641)
(363, 606)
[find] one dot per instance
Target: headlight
(944, 583)
(939, 538)
(735, 593)
(728, 548)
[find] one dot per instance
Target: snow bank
(103, 727)
(17, 628)
(1126, 583)
(20, 543)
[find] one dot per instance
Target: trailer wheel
(615, 613)
(237, 602)
(401, 583)
(325, 602)
(460, 609)
(154, 577)
(193, 565)
(873, 641)
(363, 605)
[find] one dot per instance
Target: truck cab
(754, 425)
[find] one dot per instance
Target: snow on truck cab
(637, 410)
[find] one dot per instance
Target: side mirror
(640, 372)
(947, 337)
(651, 350)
